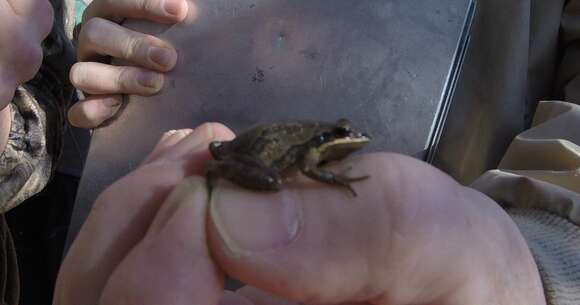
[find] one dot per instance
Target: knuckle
(123, 79)
(146, 5)
(139, 6)
(135, 46)
(91, 31)
(138, 46)
(109, 3)
(131, 48)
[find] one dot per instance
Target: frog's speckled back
(271, 143)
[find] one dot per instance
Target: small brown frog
(261, 157)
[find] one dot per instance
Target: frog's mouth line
(352, 142)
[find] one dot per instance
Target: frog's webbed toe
(332, 178)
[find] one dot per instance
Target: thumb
(318, 244)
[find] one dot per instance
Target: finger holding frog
(125, 211)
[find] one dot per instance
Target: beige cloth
(25, 165)
(538, 181)
(521, 52)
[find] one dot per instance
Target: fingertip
(176, 9)
(102, 79)
(189, 144)
(167, 140)
(198, 140)
(163, 58)
(73, 74)
(93, 111)
(215, 131)
(168, 11)
(148, 82)
(222, 132)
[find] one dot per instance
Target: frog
(266, 155)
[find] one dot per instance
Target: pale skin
(412, 236)
(25, 23)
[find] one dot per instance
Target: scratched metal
(383, 64)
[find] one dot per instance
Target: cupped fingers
(97, 78)
(101, 37)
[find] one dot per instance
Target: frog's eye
(214, 147)
(341, 132)
(215, 144)
(343, 124)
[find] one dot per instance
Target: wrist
(5, 124)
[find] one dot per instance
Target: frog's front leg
(243, 173)
(309, 167)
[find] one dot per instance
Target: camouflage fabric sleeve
(25, 165)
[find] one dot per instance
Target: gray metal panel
(385, 65)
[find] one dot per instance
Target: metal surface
(386, 65)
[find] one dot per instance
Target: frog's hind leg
(244, 174)
(309, 167)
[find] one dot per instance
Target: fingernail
(161, 56)
(251, 222)
(150, 80)
(172, 7)
(184, 132)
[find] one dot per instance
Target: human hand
(412, 236)
(135, 233)
(148, 57)
(24, 24)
